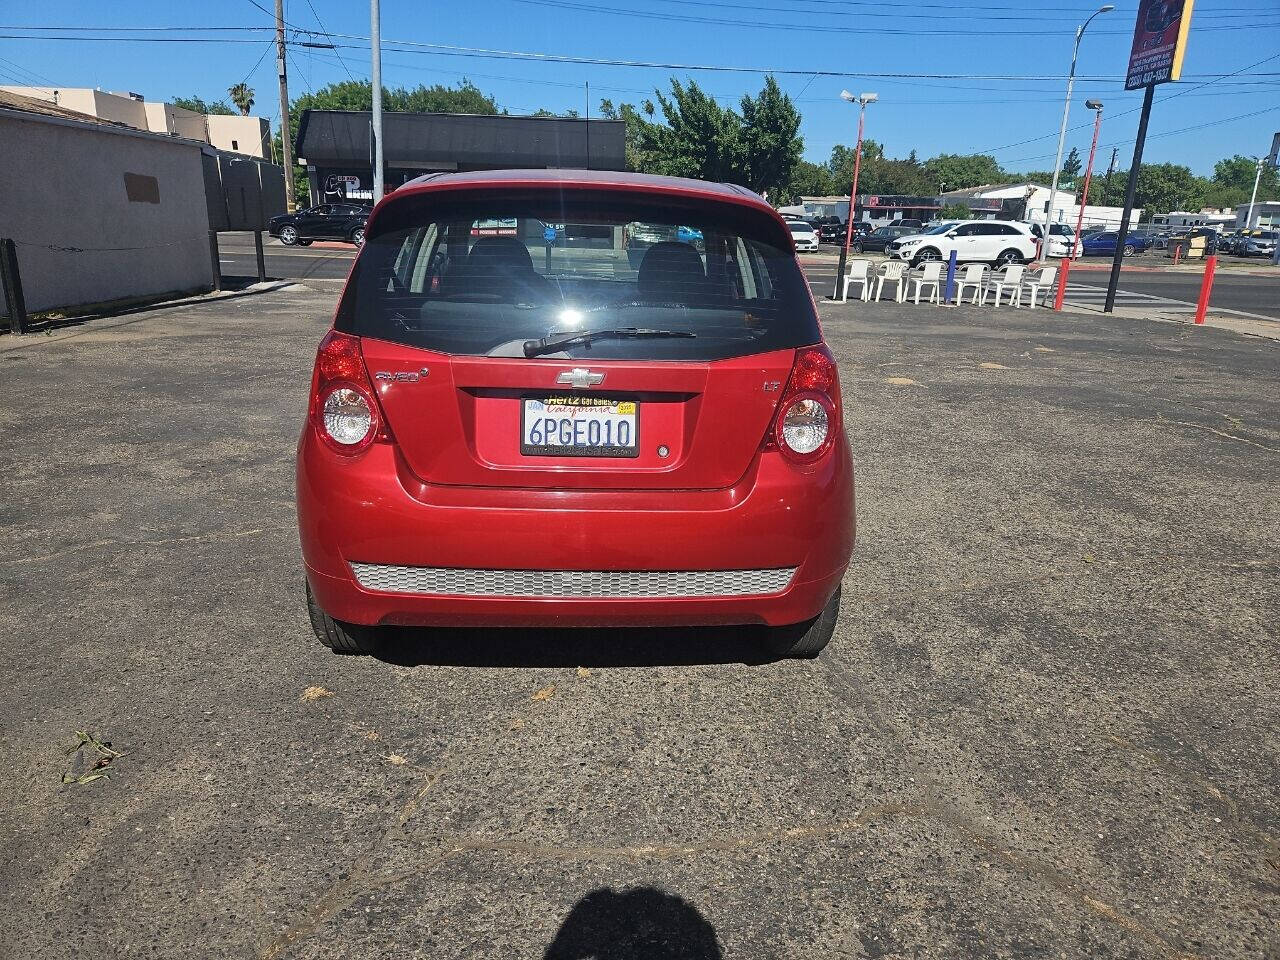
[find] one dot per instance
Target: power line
(320, 24)
(1173, 96)
(1166, 133)
(830, 28)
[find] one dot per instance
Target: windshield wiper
(533, 348)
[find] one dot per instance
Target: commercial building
(874, 208)
(336, 149)
(1266, 214)
(100, 211)
(239, 134)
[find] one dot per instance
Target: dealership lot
(1048, 723)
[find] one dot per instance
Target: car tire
(357, 236)
(288, 235)
(1130, 249)
(804, 641)
(856, 247)
(340, 637)
(927, 255)
(1009, 256)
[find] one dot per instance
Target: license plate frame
(601, 451)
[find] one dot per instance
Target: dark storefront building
(336, 147)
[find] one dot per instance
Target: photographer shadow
(638, 923)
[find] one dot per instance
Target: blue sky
(876, 37)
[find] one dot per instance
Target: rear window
(482, 273)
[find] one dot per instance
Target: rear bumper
(372, 510)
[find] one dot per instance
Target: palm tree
(242, 96)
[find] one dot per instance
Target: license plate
(573, 426)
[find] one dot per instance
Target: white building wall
(250, 135)
(65, 200)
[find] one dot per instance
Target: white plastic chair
(857, 271)
(1010, 278)
(974, 275)
(892, 271)
(928, 275)
(1037, 281)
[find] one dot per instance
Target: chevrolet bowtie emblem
(580, 378)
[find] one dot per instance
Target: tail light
(344, 410)
(808, 418)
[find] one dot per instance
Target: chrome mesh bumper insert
(571, 584)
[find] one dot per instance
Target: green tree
(1072, 166)
(955, 211)
(198, 105)
(639, 135)
(242, 96)
(769, 141)
(698, 139)
(961, 171)
(1168, 186)
(811, 180)
(1232, 182)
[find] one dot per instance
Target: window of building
(235, 144)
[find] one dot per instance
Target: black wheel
(1008, 257)
(357, 236)
(804, 641)
(288, 235)
(1130, 249)
(926, 255)
(338, 636)
(856, 247)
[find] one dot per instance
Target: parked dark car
(1104, 244)
(907, 222)
(881, 237)
(835, 232)
(328, 221)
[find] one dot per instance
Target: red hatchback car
(575, 398)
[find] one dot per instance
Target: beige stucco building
(248, 135)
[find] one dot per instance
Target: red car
(583, 420)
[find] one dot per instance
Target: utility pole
(286, 145)
(375, 42)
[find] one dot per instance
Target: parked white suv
(992, 241)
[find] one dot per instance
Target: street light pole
(1066, 109)
(375, 42)
(1248, 220)
(1096, 107)
(862, 100)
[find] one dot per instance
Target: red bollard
(1177, 253)
(1062, 283)
(1210, 266)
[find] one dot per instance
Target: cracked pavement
(1047, 726)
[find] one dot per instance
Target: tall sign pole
(286, 135)
(375, 42)
(1159, 45)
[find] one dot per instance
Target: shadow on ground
(640, 923)
(574, 647)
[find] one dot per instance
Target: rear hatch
(577, 338)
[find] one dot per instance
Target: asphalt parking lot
(1048, 726)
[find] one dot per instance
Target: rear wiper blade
(533, 348)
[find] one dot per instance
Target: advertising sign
(1159, 42)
